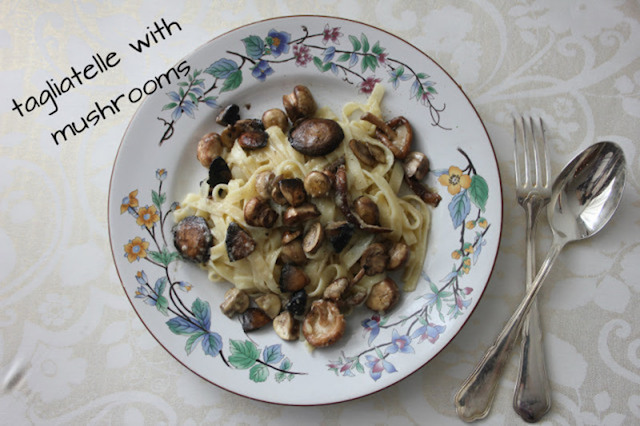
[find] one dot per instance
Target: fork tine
(535, 147)
(527, 133)
(516, 156)
(546, 162)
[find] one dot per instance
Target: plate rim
(500, 197)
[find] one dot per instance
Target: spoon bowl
(584, 197)
(587, 192)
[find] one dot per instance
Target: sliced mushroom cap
(258, 212)
(292, 278)
(299, 103)
(293, 252)
(425, 194)
(355, 296)
(275, 117)
(229, 115)
(264, 182)
(297, 304)
(270, 303)
(235, 301)
(336, 289)
(238, 242)
(219, 172)
(233, 131)
(276, 194)
(339, 234)
(296, 216)
(253, 140)
(368, 154)
(396, 134)
(367, 209)
(374, 259)
(383, 296)
(290, 235)
(313, 238)
(398, 256)
(286, 326)
(416, 165)
(324, 324)
(193, 239)
(253, 319)
(315, 136)
(209, 147)
(317, 184)
(293, 191)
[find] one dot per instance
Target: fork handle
(532, 399)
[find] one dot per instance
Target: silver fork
(532, 397)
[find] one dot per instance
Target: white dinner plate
(253, 66)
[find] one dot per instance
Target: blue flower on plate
(399, 344)
(278, 42)
(262, 70)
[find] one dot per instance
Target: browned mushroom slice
(276, 194)
(342, 200)
(253, 319)
(233, 132)
(368, 154)
(383, 296)
(396, 134)
(253, 140)
(295, 216)
(297, 304)
(416, 165)
(355, 296)
(258, 212)
(286, 326)
(209, 147)
(374, 259)
(292, 278)
(425, 194)
(398, 256)
(315, 136)
(264, 182)
(293, 252)
(236, 301)
(270, 303)
(229, 115)
(317, 184)
(239, 243)
(313, 238)
(290, 235)
(336, 289)
(324, 324)
(275, 117)
(299, 103)
(367, 209)
(293, 191)
(339, 234)
(193, 239)
(219, 172)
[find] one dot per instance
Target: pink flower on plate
(331, 34)
(302, 55)
(368, 84)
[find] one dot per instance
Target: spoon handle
(473, 400)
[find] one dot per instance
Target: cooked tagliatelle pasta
(406, 215)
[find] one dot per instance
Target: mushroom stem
(380, 124)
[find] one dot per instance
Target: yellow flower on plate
(455, 180)
(466, 265)
(147, 216)
(136, 249)
(129, 202)
(482, 222)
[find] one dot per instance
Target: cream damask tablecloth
(73, 351)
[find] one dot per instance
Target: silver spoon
(584, 197)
